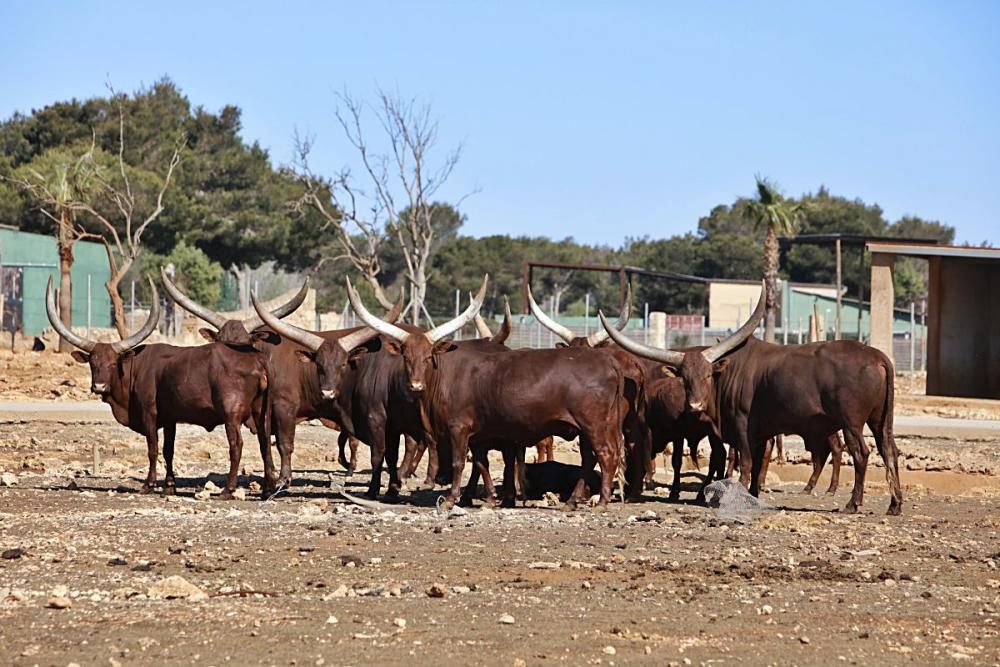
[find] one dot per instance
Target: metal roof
(849, 239)
(925, 250)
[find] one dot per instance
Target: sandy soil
(307, 579)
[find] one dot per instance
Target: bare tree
(402, 190)
(124, 247)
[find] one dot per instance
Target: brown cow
(150, 387)
(756, 390)
(636, 431)
(520, 396)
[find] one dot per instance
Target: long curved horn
(281, 311)
(84, 344)
(365, 334)
(599, 336)
(379, 325)
(147, 328)
(668, 357)
(506, 327)
(293, 333)
(188, 304)
(735, 339)
(547, 321)
(456, 323)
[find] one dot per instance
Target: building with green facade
(26, 263)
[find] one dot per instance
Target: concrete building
(963, 314)
(730, 302)
(26, 262)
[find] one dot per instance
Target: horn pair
(594, 339)
(505, 327)
(217, 320)
(712, 354)
(434, 335)
(88, 345)
(312, 341)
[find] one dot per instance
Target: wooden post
(836, 332)
(883, 298)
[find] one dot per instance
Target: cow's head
(227, 331)
(419, 349)
(330, 355)
(697, 367)
(104, 358)
(597, 339)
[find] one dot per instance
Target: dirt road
(307, 579)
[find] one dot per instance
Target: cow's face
(696, 371)
(104, 367)
(332, 362)
(419, 357)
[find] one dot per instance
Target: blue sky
(597, 120)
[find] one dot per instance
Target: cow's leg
(588, 459)
(392, 463)
(264, 442)
(413, 451)
(676, 461)
(152, 451)
(765, 462)
(459, 441)
(779, 445)
(377, 446)
(513, 459)
(439, 470)
(716, 463)
(859, 452)
(836, 446)
(342, 451)
(550, 448)
(732, 460)
(283, 423)
(607, 459)
(480, 467)
(638, 453)
(817, 454)
(521, 479)
(235, 438)
(484, 469)
(881, 428)
(169, 483)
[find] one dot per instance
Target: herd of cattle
(624, 401)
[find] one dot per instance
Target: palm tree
(778, 216)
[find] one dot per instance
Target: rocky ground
(93, 573)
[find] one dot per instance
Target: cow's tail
(693, 451)
(619, 430)
(887, 449)
(265, 407)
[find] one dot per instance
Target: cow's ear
(668, 371)
(720, 365)
(392, 346)
(357, 353)
(81, 357)
(208, 334)
(444, 346)
(265, 337)
(305, 356)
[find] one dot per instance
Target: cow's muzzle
(696, 406)
(100, 388)
(330, 394)
(416, 387)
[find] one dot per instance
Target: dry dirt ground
(309, 579)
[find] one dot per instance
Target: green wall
(802, 308)
(35, 249)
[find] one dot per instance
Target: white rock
(331, 620)
(211, 487)
(457, 511)
(8, 479)
(175, 587)
(202, 495)
(609, 650)
(507, 619)
(543, 565)
(240, 494)
(399, 622)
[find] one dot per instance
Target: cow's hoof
(465, 501)
(227, 494)
(895, 510)
(674, 495)
(850, 508)
(147, 489)
(508, 502)
(170, 490)
(831, 491)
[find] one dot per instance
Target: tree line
(158, 180)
